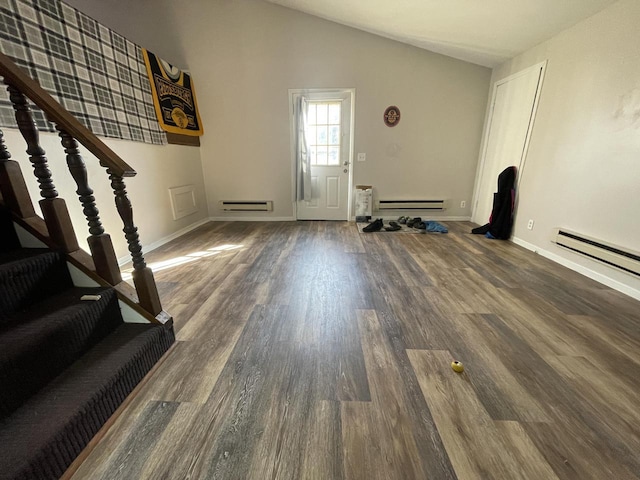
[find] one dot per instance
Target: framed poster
(174, 97)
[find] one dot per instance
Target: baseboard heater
(411, 205)
(615, 256)
(246, 206)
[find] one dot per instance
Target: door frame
(327, 94)
(542, 66)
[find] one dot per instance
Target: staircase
(66, 364)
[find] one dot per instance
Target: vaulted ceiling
(485, 32)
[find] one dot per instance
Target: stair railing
(56, 216)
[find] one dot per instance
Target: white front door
(329, 146)
(508, 131)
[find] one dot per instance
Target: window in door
(323, 133)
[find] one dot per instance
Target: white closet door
(509, 128)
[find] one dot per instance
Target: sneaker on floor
(413, 221)
(393, 227)
(374, 226)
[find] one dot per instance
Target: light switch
(362, 157)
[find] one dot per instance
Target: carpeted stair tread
(43, 437)
(60, 301)
(19, 254)
(37, 344)
(32, 276)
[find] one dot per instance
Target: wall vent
(246, 206)
(618, 257)
(183, 201)
(437, 205)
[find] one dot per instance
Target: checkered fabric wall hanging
(96, 74)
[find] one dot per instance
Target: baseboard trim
(576, 267)
(251, 219)
(158, 243)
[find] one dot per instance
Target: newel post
(54, 209)
(104, 256)
(142, 275)
(12, 185)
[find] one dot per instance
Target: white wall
(582, 171)
(158, 169)
(244, 57)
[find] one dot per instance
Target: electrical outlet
(463, 204)
(530, 225)
(362, 157)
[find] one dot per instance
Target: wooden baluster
(12, 185)
(104, 256)
(54, 209)
(142, 275)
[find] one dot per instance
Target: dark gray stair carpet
(43, 437)
(28, 276)
(37, 344)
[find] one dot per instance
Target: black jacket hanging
(501, 220)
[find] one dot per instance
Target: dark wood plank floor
(309, 351)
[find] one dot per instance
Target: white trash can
(364, 202)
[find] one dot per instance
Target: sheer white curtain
(303, 160)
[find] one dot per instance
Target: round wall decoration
(391, 116)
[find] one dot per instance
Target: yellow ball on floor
(457, 367)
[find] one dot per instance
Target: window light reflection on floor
(183, 259)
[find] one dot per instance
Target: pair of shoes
(393, 227)
(374, 226)
(414, 221)
(403, 220)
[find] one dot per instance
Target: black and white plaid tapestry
(95, 73)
